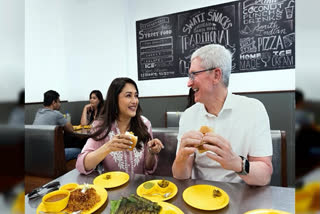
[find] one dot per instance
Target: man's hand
(223, 152)
(189, 141)
(182, 165)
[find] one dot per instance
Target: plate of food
(205, 197)
(135, 203)
(266, 211)
(87, 198)
(111, 179)
(75, 128)
(157, 190)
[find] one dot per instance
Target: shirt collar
(226, 106)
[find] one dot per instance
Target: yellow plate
(266, 211)
(75, 128)
(100, 191)
(201, 197)
(168, 208)
(116, 179)
(156, 198)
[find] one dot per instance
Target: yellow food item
(134, 140)
(204, 130)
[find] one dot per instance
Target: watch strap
(245, 166)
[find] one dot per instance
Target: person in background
(240, 148)
(109, 142)
(16, 117)
(92, 110)
(50, 115)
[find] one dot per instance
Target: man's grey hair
(215, 56)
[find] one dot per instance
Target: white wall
(307, 48)
(44, 49)
(95, 45)
(76, 46)
(12, 49)
(73, 47)
(241, 82)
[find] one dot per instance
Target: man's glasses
(192, 75)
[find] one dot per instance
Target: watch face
(246, 166)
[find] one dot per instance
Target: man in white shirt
(240, 148)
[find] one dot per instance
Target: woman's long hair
(111, 111)
(100, 105)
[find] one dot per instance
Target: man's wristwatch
(245, 166)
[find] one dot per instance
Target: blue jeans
(71, 153)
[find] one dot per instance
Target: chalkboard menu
(258, 33)
(267, 35)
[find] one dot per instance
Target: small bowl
(151, 184)
(163, 189)
(56, 201)
(69, 187)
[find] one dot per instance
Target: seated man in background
(240, 147)
(50, 115)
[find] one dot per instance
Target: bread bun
(134, 140)
(204, 130)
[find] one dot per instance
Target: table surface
(242, 196)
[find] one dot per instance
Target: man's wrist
(245, 166)
(239, 169)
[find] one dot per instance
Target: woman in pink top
(110, 145)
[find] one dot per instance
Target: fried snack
(134, 204)
(134, 139)
(163, 183)
(204, 130)
(82, 201)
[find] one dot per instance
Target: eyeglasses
(192, 75)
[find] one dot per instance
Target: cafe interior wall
(11, 51)
(73, 47)
(307, 50)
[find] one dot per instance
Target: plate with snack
(135, 203)
(111, 179)
(79, 127)
(87, 198)
(205, 197)
(157, 190)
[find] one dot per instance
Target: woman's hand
(118, 143)
(89, 107)
(155, 146)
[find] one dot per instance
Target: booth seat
(44, 151)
